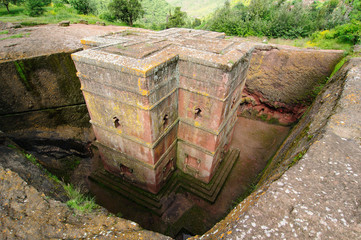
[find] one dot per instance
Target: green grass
(306, 43)
(52, 15)
(19, 35)
(79, 201)
(33, 159)
(4, 32)
(296, 158)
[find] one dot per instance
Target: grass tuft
(19, 35)
(4, 32)
(79, 201)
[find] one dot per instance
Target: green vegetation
(126, 10)
(19, 35)
(197, 8)
(249, 189)
(4, 32)
(326, 24)
(52, 14)
(35, 8)
(20, 68)
(78, 200)
(7, 3)
(329, 24)
(82, 6)
(155, 14)
(177, 19)
(298, 156)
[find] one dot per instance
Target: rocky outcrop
(283, 81)
(27, 213)
(318, 197)
(42, 93)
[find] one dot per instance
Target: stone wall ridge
(136, 92)
(136, 161)
(151, 145)
(143, 67)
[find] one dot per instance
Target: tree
(177, 19)
(81, 6)
(197, 22)
(35, 7)
(126, 10)
(6, 3)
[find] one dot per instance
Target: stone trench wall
(42, 94)
(283, 81)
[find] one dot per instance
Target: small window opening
(233, 102)
(165, 120)
(125, 170)
(116, 122)
(197, 113)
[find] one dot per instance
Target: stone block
(138, 87)
(145, 176)
(201, 163)
(203, 138)
(204, 111)
(147, 153)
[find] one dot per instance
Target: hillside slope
(156, 11)
(199, 8)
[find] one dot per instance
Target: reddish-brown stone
(144, 92)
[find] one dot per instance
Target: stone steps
(157, 203)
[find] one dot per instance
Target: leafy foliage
(197, 8)
(177, 19)
(82, 6)
(126, 10)
(287, 19)
(6, 3)
(155, 14)
(35, 7)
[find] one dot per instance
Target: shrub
(348, 33)
(82, 6)
(35, 8)
(107, 17)
(177, 19)
(288, 19)
(126, 10)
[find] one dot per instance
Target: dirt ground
(47, 39)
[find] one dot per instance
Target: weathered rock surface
(49, 39)
(64, 24)
(282, 81)
(39, 83)
(26, 213)
(41, 90)
(14, 159)
(319, 197)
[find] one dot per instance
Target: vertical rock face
(161, 100)
(282, 81)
